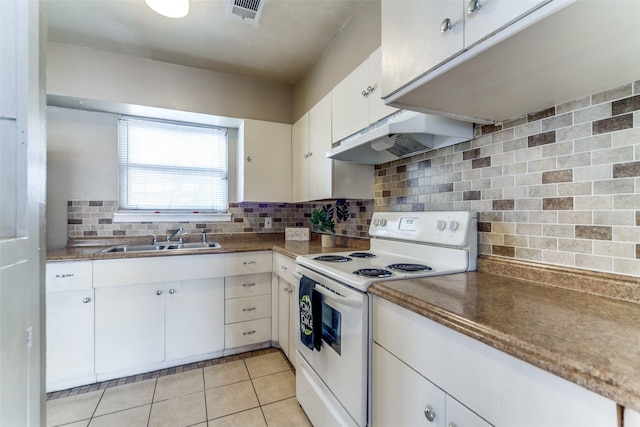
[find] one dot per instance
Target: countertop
(89, 249)
(591, 340)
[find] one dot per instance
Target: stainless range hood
(400, 135)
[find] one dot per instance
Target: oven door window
(331, 327)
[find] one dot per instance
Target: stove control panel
(453, 228)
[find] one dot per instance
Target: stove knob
(383, 222)
(376, 222)
(441, 225)
(453, 225)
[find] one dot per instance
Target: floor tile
(126, 396)
(134, 417)
(266, 364)
(251, 418)
(272, 388)
(179, 412)
(179, 385)
(73, 408)
(286, 413)
(230, 399)
(224, 374)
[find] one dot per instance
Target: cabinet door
(349, 107)
(401, 395)
(294, 322)
(492, 16)
(319, 166)
(69, 318)
(459, 415)
(194, 318)
(129, 327)
(283, 315)
(300, 159)
(377, 107)
(412, 42)
(264, 162)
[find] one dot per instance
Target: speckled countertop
(591, 340)
(89, 249)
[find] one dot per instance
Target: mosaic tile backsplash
(560, 186)
(94, 218)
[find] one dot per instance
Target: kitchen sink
(169, 246)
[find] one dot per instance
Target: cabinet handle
(452, 425)
(446, 25)
(249, 262)
(429, 414)
(308, 154)
(248, 158)
(249, 309)
(284, 267)
(249, 333)
(158, 293)
(247, 285)
(473, 6)
(86, 300)
(172, 291)
(367, 91)
(62, 276)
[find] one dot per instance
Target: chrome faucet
(172, 235)
(204, 235)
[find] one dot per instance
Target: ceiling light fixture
(169, 8)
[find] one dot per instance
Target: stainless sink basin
(161, 247)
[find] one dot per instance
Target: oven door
(341, 364)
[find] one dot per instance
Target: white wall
(80, 72)
(82, 164)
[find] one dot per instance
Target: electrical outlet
(268, 223)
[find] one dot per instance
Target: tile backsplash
(94, 218)
(559, 186)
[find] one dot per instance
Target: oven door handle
(337, 297)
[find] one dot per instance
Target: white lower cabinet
(69, 325)
(287, 297)
(403, 397)
(247, 300)
(419, 362)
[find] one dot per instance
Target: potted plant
(322, 222)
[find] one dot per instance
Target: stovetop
(424, 243)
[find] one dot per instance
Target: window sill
(170, 217)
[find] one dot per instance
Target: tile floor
(255, 390)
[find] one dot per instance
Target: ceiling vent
(247, 10)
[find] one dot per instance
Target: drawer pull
(62, 276)
(158, 293)
(249, 333)
(284, 267)
(248, 285)
(172, 291)
(86, 300)
(249, 262)
(249, 309)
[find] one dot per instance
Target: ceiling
(281, 47)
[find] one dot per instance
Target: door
(284, 335)
(320, 168)
(194, 317)
(22, 204)
(300, 159)
(70, 338)
(129, 327)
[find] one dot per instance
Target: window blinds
(167, 166)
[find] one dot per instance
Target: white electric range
(332, 377)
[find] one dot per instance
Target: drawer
(249, 263)
(247, 285)
(246, 333)
(284, 267)
(249, 308)
(69, 276)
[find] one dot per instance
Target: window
(172, 167)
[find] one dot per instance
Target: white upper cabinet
(516, 57)
(264, 162)
(412, 40)
(356, 101)
(316, 177)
